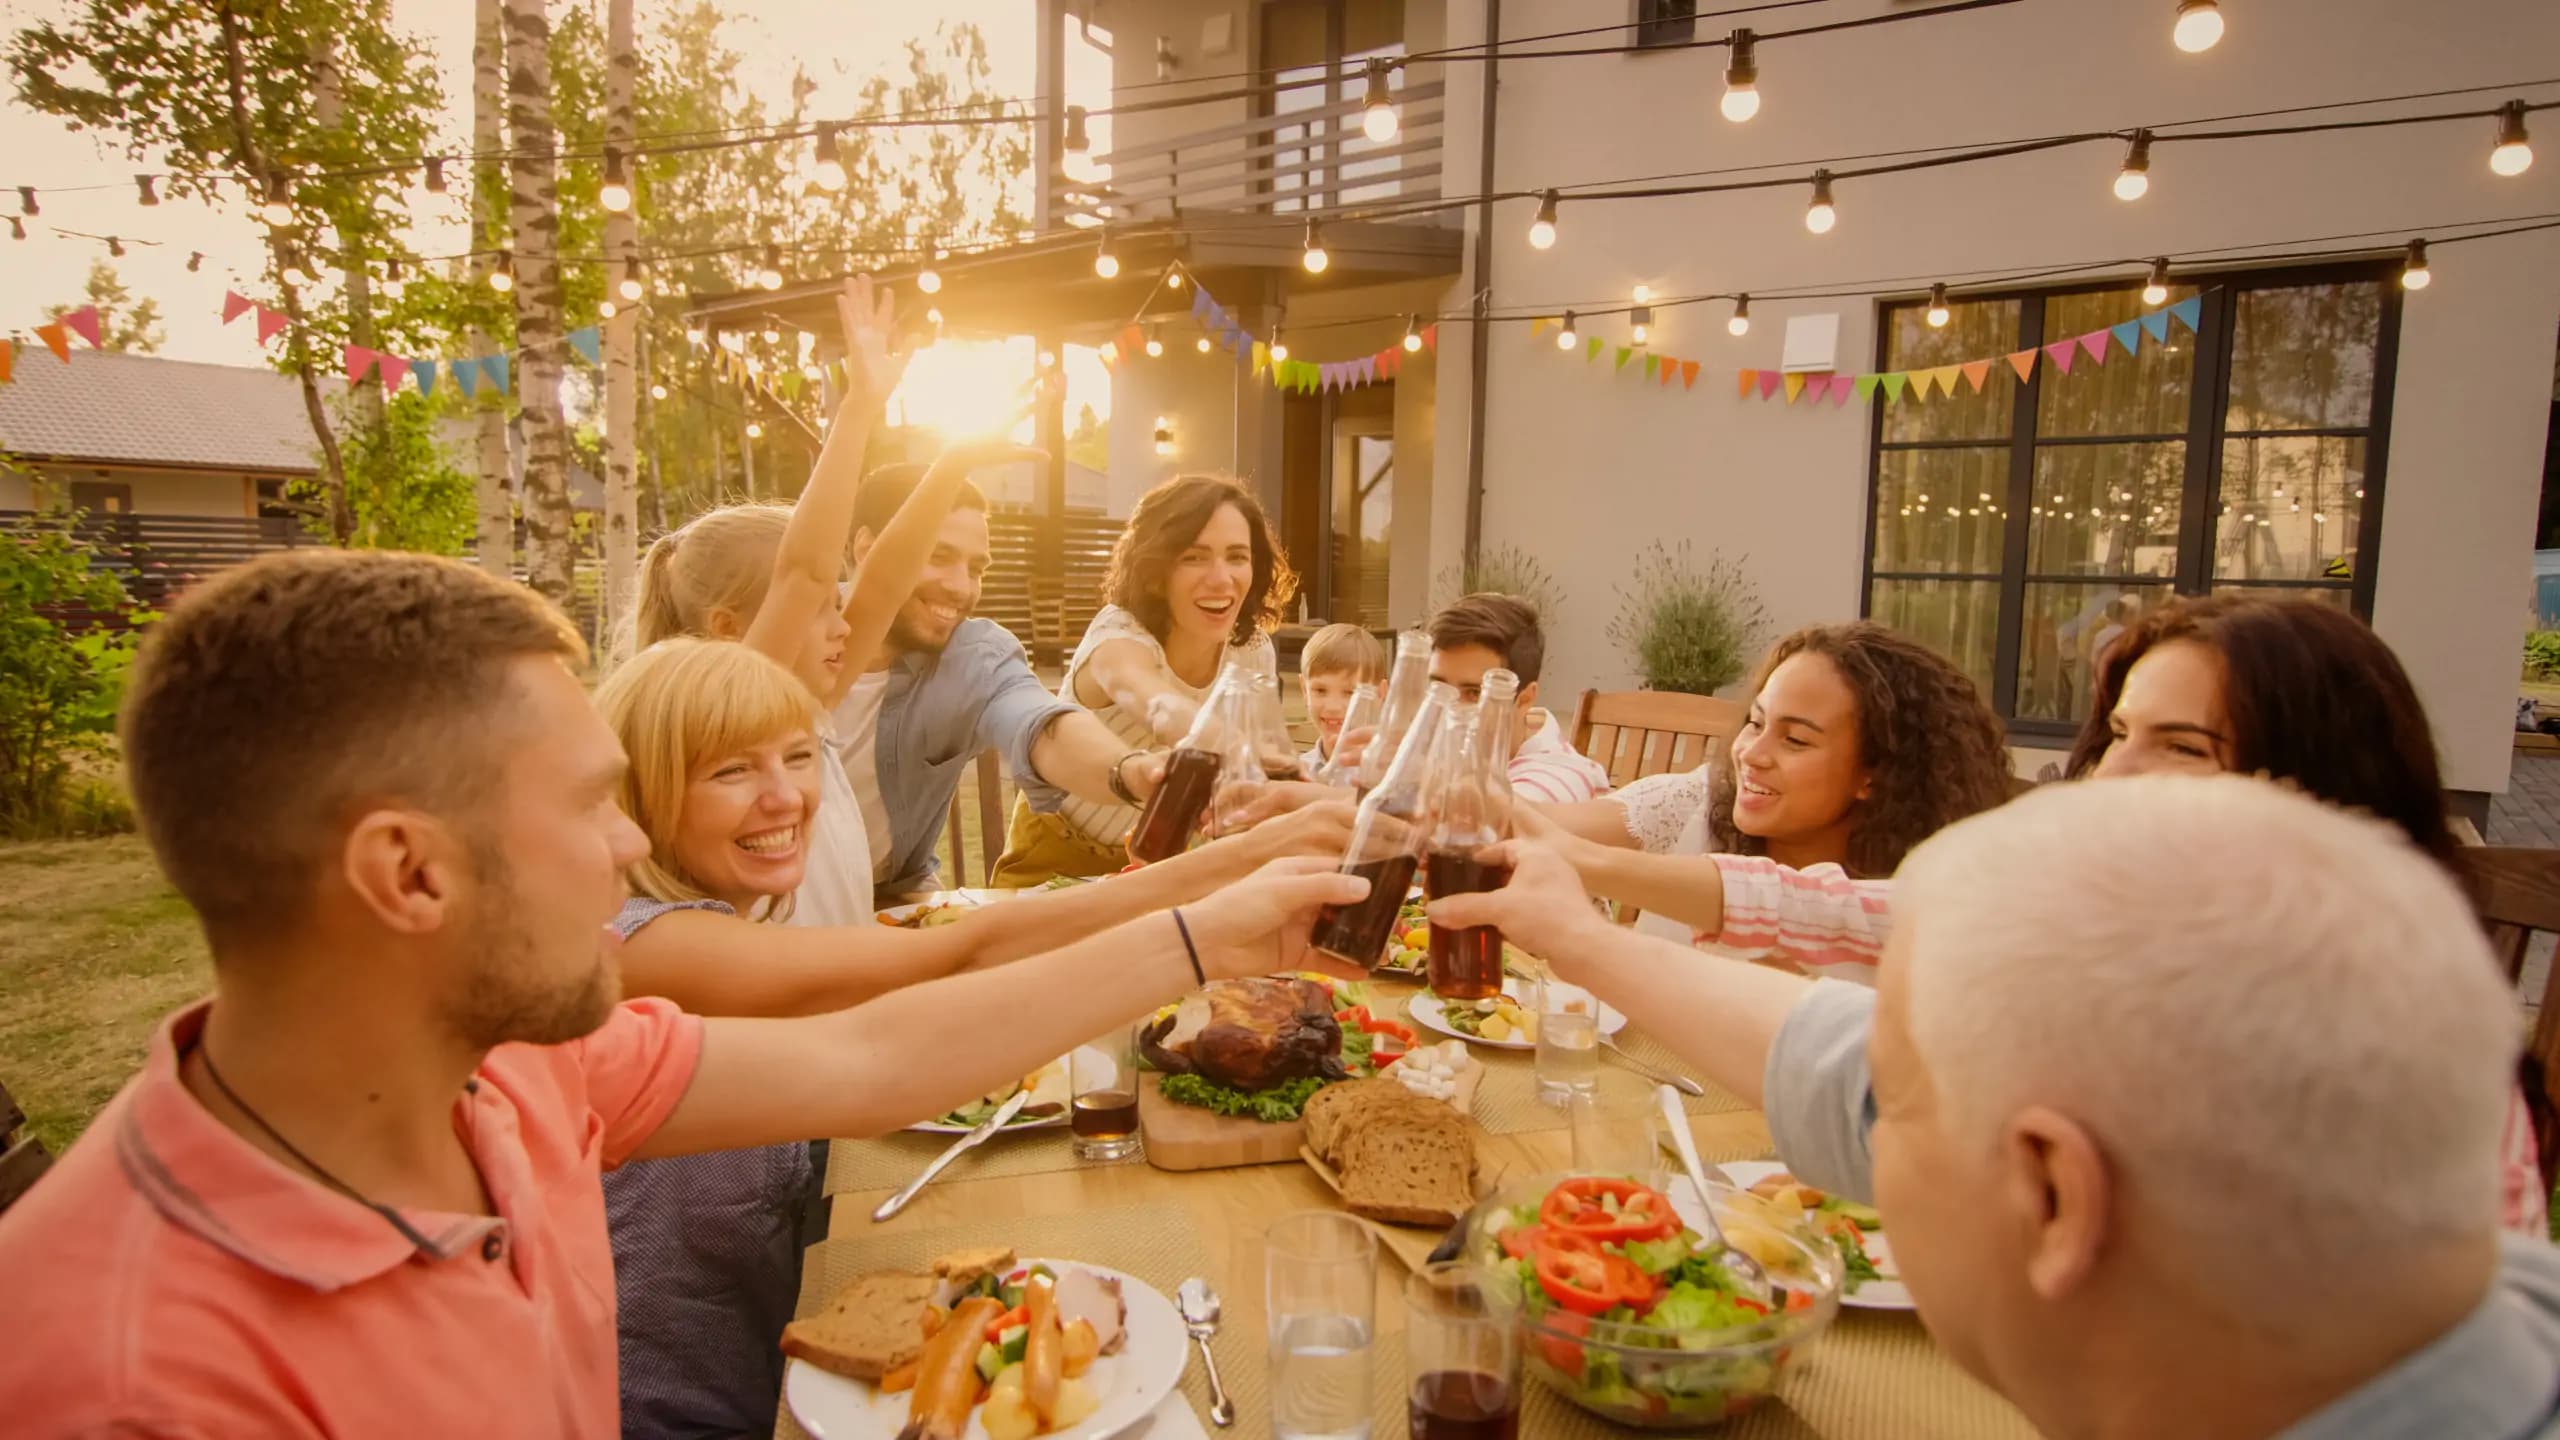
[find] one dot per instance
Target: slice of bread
(1373, 1108)
(963, 1267)
(1410, 1168)
(872, 1327)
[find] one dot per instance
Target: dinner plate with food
(1856, 1230)
(984, 1346)
(1506, 1021)
(1047, 1107)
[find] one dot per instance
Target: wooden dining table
(1872, 1374)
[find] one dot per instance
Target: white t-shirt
(857, 743)
(836, 889)
(1110, 823)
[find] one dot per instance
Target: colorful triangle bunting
(584, 341)
(1865, 386)
(425, 371)
(2128, 335)
(1795, 388)
(1623, 354)
(359, 361)
(1744, 381)
(2060, 353)
(1770, 380)
(466, 374)
(1688, 374)
(269, 322)
(57, 339)
(1591, 348)
(2094, 344)
(1539, 326)
(1840, 388)
(1976, 373)
(495, 366)
(2188, 311)
(2024, 362)
(234, 305)
(1893, 383)
(1652, 365)
(2156, 325)
(84, 323)
(8, 360)
(1945, 376)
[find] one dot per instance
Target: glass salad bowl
(1623, 1316)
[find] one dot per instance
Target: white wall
(1582, 468)
(1198, 393)
(155, 492)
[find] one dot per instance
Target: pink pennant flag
(1841, 388)
(2060, 353)
(1688, 374)
(2095, 343)
(389, 368)
(2024, 362)
(234, 305)
(1976, 372)
(359, 360)
(1743, 380)
(269, 322)
(83, 322)
(1770, 380)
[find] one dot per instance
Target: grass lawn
(94, 949)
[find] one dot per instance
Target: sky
(840, 43)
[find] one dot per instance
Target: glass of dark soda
(1462, 1355)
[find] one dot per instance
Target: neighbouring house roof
(105, 408)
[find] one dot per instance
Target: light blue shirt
(2495, 1376)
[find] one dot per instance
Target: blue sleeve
(1816, 1091)
(639, 910)
(1018, 709)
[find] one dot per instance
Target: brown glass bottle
(1387, 841)
(1173, 812)
(1474, 814)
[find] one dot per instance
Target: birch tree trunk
(328, 110)
(653, 499)
(533, 202)
(621, 375)
(496, 542)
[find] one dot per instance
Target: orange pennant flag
(1539, 326)
(56, 338)
(2024, 362)
(1743, 381)
(1795, 388)
(1688, 374)
(8, 359)
(1977, 372)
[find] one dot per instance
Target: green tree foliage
(125, 325)
(1089, 444)
(403, 481)
(58, 690)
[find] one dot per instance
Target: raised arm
(916, 1053)
(1816, 919)
(810, 559)
(887, 576)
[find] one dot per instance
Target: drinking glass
(1462, 1348)
(1102, 1079)
(1320, 1292)
(1568, 1061)
(1616, 1131)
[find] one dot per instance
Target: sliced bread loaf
(1410, 1168)
(872, 1327)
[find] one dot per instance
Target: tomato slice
(1575, 1207)
(1388, 1028)
(1521, 1241)
(1560, 1341)
(1355, 1016)
(1579, 1276)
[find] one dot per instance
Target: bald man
(2182, 1101)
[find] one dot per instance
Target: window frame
(2208, 427)
(1660, 31)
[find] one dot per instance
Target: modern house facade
(2304, 424)
(116, 434)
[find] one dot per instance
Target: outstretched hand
(1260, 923)
(1542, 909)
(970, 456)
(874, 362)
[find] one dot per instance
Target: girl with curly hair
(1196, 577)
(1859, 744)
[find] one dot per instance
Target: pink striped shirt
(1548, 770)
(1821, 922)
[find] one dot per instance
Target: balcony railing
(1315, 158)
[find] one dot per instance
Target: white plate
(960, 899)
(1873, 1295)
(1052, 1087)
(1128, 1384)
(1432, 1013)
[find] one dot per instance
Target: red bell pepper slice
(1579, 1276)
(1521, 1241)
(1574, 1208)
(1355, 1016)
(1560, 1340)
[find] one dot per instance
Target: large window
(2018, 527)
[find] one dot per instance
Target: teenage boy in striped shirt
(1500, 632)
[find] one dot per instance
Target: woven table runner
(1153, 1242)
(892, 1160)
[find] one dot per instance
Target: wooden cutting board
(1186, 1137)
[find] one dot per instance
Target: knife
(890, 1207)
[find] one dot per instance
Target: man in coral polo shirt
(355, 1193)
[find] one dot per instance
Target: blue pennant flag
(2156, 324)
(583, 341)
(425, 370)
(1201, 304)
(2128, 334)
(465, 374)
(2189, 310)
(495, 367)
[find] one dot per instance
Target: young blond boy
(1337, 659)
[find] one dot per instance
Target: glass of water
(1568, 1041)
(1320, 1289)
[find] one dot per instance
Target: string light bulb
(1077, 141)
(1378, 114)
(1640, 318)
(1155, 344)
(1173, 277)
(772, 333)
(1412, 341)
(615, 194)
(502, 275)
(2134, 180)
(1740, 324)
(2199, 26)
(151, 196)
(693, 335)
(1279, 347)
(1741, 79)
(1201, 344)
(657, 390)
(278, 210)
(115, 247)
(291, 271)
(830, 162)
(195, 262)
(929, 278)
(606, 309)
(1164, 436)
(1314, 258)
(2414, 274)
(27, 201)
(394, 284)
(2514, 154)
(435, 174)
(770, 277)
(2156, 290)
(632, 287)
(755, 430)
(1820, 216)
(1938, 311)
(1542, 231)
(1105, 264)
(933, 316)
(1565, 338)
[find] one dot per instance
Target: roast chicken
(1251, 1034)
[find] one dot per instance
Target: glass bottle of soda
(1279, 756)
(1195, 768)
(1407, 680)
(1361, 714)
(1388, 838)
(1473, 813)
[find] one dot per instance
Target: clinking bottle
(1472, 813)
(1388, 838)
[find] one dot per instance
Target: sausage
(1043, 1350)
(947, 1375)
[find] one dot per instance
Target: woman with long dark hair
(1196, 576)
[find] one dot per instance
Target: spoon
(1200, 1317)
(1682, 1083)
(1745, 1271)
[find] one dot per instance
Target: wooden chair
(2517, 892)
(22, 1156)
(1635, 733)
(991, 825)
